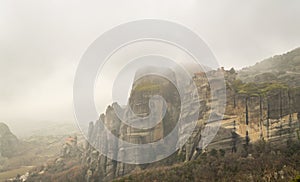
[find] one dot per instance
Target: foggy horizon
(42, 43)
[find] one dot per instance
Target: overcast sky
(41, 42)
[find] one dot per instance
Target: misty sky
(41, 42)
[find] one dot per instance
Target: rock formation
(143, 90)
(70, 148)
(8, 141)
(252, 113)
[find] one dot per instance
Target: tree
(213, 152)
(222, 152)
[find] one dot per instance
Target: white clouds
(48, 99)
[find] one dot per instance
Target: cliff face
(144, 91)
(8, 141)
(270, 115)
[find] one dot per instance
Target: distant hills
(42, 128)
(280, 68)
(8, 141)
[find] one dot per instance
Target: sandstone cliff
(253, 112)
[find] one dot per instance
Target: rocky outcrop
(138, 108)
(265, 116)
(270, 115)
(70, 148)
(8, 141)
(144, 91)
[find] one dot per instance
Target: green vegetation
(297, 179)
(284, 69)
(222, 152)
(256, 89)
(267, 163)
(66, 171)
(213, 152)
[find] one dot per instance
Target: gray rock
(8, 141)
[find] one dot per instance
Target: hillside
(8, 141)
(20, 155)
(281, 68)
(267, 163)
